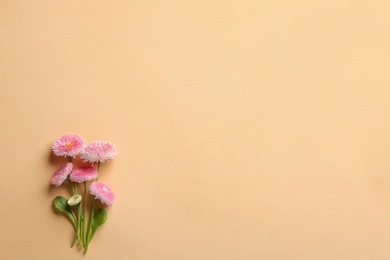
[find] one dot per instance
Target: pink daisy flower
(102, 192)
(99, 152)
(61, 174)
(68, 145)
(82, 174)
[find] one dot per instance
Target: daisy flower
(102, 192)
(61, 174)
(99, 152)
(68, 145)
(82, 174)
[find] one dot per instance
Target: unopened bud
(74, 200)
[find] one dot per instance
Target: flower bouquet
(75, 207)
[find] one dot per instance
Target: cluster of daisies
(74, 208)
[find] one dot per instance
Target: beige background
(246, 129)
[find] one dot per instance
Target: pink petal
(68, 145)
(102, 192)
(61, 174)
(82, 174)
(99, 152)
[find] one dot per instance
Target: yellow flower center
(68, 144)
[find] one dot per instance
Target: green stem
(82, 230)
(78, 213)
(72, 186)
(79, 227)
(98, 170)
(88, 236)
(74, 239)
(84, 211)
(76, 223)
(72, 219)
(77, 235)
(90, 224)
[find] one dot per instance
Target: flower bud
(74, 200)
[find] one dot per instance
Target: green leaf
(61, 204)
(98, 220)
